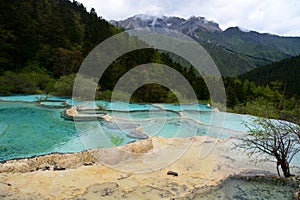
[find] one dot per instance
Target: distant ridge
(179, 24)
(252, 49)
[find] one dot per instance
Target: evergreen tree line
(52, 35)
(287, 71)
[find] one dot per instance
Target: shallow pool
(182, 107)
(23, 98)
(27, 129)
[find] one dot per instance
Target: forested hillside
(43, 44)
(230, 63)
(51, 34)
(286, 71)
(272, 90)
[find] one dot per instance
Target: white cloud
(273, 16)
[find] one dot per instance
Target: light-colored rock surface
(134, 171)
(72, 112)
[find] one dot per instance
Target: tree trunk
(285, 168)
(278, 169)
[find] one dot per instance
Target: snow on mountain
(243, 29)
(179, 24)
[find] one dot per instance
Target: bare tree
(271, 139)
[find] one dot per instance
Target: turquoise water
(144, 114)
(28, 129)
(220, 119)
(182, 107)
(124, 106)
(22, 98)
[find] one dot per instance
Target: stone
(57, 168)
(172, 173)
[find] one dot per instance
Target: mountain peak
(201, 19)
(188, 26)
(146, 17)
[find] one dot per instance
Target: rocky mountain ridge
(247, 49)
(187, 26)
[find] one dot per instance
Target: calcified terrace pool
(31, 125)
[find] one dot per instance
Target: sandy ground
(134, 171)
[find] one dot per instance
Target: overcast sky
(281, 17)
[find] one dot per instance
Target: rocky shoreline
(134, 171)
(62, 161)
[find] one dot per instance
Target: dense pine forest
(43, 44)
(42, 41)
(268, 90)
(287, 71)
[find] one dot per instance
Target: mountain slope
(48, 32)
(231, 63)
(286, 71)
(263, 46)
(243, 50)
